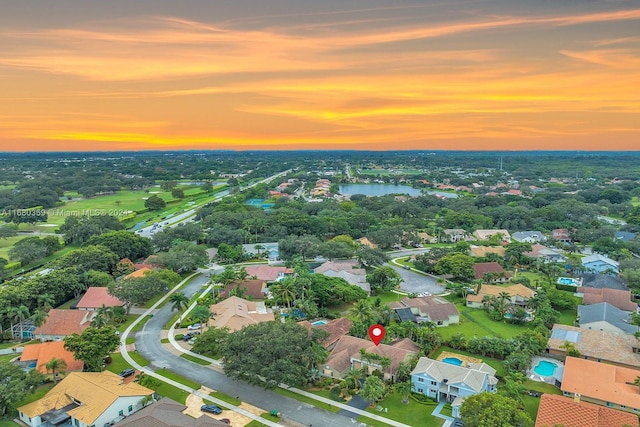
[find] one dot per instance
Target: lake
(384, 189)
(378, 189)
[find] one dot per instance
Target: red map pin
(376, 333)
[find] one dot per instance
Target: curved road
(149, 346)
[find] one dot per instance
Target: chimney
(576, 397)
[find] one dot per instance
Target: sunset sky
(319, 74)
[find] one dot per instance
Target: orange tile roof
(493, 290)
(137, 273)
(44, 352)
(337, 328)
(95, 297)
(559, 410)
(605, 382)
(266, 272)
(64, 322)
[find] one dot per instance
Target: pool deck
(466, 360)
(550, 379)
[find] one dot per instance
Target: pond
(378, 189)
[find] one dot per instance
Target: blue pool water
(32, 365)
(567, 281)
(452, 361)
(545, 369)
(319, 322)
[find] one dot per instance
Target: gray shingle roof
(473, 376)
(608, 313)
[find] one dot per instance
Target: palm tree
(354, 375)
(103, 317)
(404, 388)
(179, 301)
(46, 301)
(637, 381)
(242, 274)
(284, 292)
(55, 366)
(503, 297)
(39, 317)
(18, 315)
(535, 302)
(362, 311)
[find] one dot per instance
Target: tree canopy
(271, 353)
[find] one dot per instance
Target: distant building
(235, 313)
(487, 234)
(616, 297)
(38, 355)
(61, 323)
(528, 236)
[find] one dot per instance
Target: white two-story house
(87, 399)
(452, 383)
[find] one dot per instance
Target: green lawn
(8, 423)
(388, 297)
(38, 394)
(413, 413)
(130, 319)
(531, 403)
(494, 363)
(6, 244)
(568, 316)
(476, 322)
(67, 305)
(167, 390)
(194, 359)
(177, 378)
(231, 400)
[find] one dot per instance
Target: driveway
(149, 346)
(356, 402)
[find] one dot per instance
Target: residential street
(149, 346)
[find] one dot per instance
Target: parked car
(212, 409)
(194, 326)
(226, 420)
(127, 373)
(406, 267)
(187, 337)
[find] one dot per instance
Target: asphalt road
(149, 346)
(187, 215)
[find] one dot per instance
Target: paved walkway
(436, 412)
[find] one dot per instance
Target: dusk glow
(291, 74)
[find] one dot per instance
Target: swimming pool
(452, 361)
(319, 322)
(545, 368)
(567, 281)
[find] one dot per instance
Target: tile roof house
(452, 383)
(255, 288)
(493, 272)
(235, 313)
(563, 411)
(61, 323)
(606, 385)
(347, 270)
(453, 235)
(601, 346)
(528, 236)
(346, 354)
(591, 280)
(519, 293)
(138, 273)
(598, 263)
(41, 354)
(96, 297)
(487, 234)
(545, 254)
(167, 413)
(430, 309)
(615, 297)
(86, 399)
(605, 317)
(268, 273)
(483, 251)
(561, 235)
(337, 328)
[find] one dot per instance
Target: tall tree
(262, 354)
(489, 409)
(93, 346)
(373, 390)
(15, 384)
(384, 279)
(179, 301)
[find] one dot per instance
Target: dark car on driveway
(127, 373)
(212, 409)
